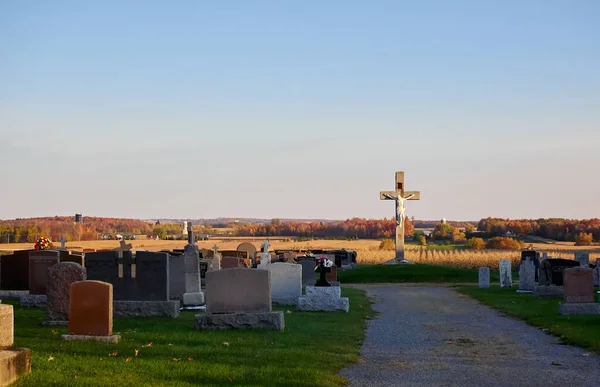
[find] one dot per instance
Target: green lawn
(310, 352)
(581, 331)
(415, 273)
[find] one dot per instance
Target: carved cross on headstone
(400, 196)
(123, 247)
(215, 249)
(62, 241)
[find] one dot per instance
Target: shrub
(458, 236)
(387, 244)
(421, 240)
(584, 239)
(442, 231)
(476, 243)
(504, 243)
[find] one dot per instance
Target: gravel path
(433, 336)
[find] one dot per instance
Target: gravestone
(553, 269)
(505, 274)
(527, 276)
(60, 278)
(265, 256)
(484, 277)
(91, 312)
(248, 248)
(309, 276)
(193, 295)
(583, 258)
(67, 256)
(230, 263)
(399, 196)
(140, 283)
(39, 263)
(597, 273)
(332, 276)
(14, 362)
(238, 299)
(123, 247)
(14, 270)
(177, 276)
(535, 257)
(579, 292)
(286, 283)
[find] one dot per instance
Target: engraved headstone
(309, 276)
(238, 290)
(579, 293)
(14, 362)
(484, 277)
(60, 278)
(553, 268)
(230, 262)
(535, 258)
(247, 247)
(286, 282)
(193, 294)
(527, 275)
(63, 242)
(39, 263)
(505, 274)
(14, 270)
(177, 276)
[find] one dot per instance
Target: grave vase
(322, 270)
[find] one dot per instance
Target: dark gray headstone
(176, 276)
(309, 276)
(39, 263)
(553, 269)
(14, 271)
(152, 275)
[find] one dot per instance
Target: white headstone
(583, 258)
(484, 277)
(286, 282)
(505, 274)
(544, 255)
(527, 275)
(264, 247)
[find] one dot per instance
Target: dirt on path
(433, 336)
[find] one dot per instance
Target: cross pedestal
(400, 196)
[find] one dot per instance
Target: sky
(299, 109)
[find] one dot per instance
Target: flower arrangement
(323, 261)
(43, 243)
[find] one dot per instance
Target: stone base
(578, 309)
(55, 323)
(193, 299)
(323, 299)
(146, 308)
(291, 300)
(334, 283)
(551, 291)
(14, 363)
(398, 262)
(33, 301)
(114, 339)
(13, 294)
(266, 320)
(524, 291)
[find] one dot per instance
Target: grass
(418, 273)
(310, 352)
(581, 331)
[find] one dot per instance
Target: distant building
(444, 221)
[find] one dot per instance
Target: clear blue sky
(299, 109)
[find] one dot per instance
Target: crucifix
(400, 196)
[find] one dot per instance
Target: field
(367, 249)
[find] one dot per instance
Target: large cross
(399, 196)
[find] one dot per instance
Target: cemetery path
(433, 336)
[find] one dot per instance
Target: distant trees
(443, 231)
(557, 229)
(387, 244)
(476, 243)
(584, 239)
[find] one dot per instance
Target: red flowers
(43, 243)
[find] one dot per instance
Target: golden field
(368, 250)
